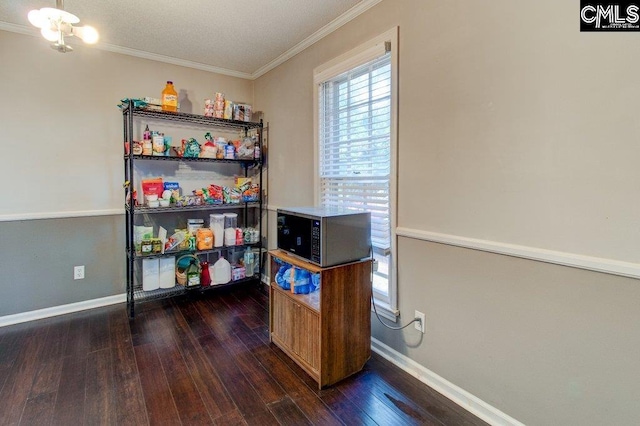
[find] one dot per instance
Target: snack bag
(204, 239)
(231, 195)
(153, 187)
(213, 195)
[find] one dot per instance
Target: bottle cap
(169, 82)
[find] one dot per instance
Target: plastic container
(230, 220)
(230, 237)
(150, 274)
(230, 224)
(167, 272)
(193, 225)
(229, 151)
(175, 240)
(169, 98)
(157, 144)
(216, 224)
(221, 272)
(147, 147)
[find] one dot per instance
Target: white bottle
(249, 260)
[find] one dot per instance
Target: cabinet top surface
(296, 261)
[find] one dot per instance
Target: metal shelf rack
(130, 114)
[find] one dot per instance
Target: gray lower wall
(38, 257)
(547, 344)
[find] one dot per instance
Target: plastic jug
(221, 272)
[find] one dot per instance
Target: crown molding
(349, 15)
(23, 29)
(170, 60)
(20, 29)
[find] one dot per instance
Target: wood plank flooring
(192, 361)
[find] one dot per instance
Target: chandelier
(55, 24)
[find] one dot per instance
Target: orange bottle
(169, 98)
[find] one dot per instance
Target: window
(356, 148)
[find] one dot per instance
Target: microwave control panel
(315, 241)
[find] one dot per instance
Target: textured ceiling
(242, 37)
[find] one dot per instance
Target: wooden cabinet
(327, 332)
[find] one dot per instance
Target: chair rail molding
(574, 260)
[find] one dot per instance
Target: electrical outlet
(420, 325)
(78, 272)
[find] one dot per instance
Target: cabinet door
(297, 327)
(307, 337)
(283, 318)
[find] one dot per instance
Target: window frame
(366, 52)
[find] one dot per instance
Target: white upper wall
(514, 127)
(62, 132)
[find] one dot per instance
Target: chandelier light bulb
(88, 34)
(36, 18)
(59, 15)
(49, 34)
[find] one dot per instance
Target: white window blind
(355, 144)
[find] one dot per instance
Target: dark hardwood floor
(200, 360)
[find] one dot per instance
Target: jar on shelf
(230, 224)
(216, 224)
(193, 274)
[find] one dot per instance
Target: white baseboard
(464, 399)
(62, 309)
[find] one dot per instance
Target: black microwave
(325, 236)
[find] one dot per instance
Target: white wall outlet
(78, 272)
(420, 325)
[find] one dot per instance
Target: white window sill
(385, 310)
